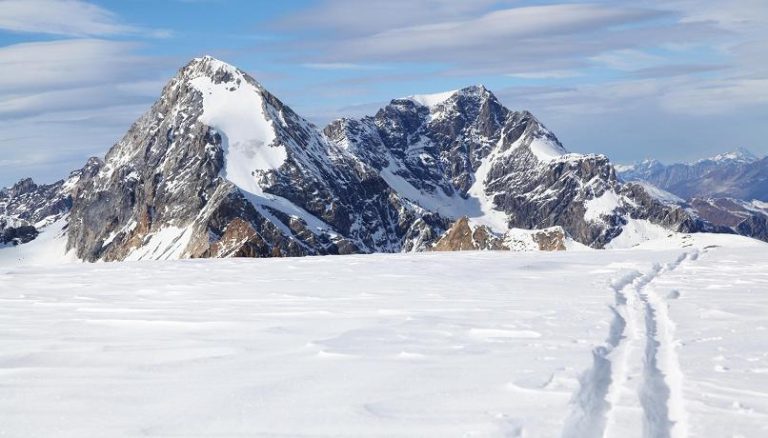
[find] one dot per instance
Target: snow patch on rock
(430, 100)
(603, 205)
(546, 150)
(236, 110)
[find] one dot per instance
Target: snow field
(665, 340)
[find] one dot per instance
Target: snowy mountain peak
(25, 185)
(234, 105)
(211, 67)
(431, 100)
(436, 99)
(740, 155)
(475, 90)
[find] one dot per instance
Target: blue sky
(672, 79)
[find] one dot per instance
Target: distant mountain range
(738, 174)
(729, 189)
(220, 167)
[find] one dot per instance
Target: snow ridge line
(660, 391)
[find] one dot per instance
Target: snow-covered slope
(236, 110)
(668, 340)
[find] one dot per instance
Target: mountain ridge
(735, 174)
(220, 167)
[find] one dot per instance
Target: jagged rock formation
(27, 207)
(749, 218)
(464, 154)
(220, 167)
(463, 236)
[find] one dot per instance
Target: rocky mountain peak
(207, 66)
(478, 90)
(437, 101)
(22, 187)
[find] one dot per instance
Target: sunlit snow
(236, 110)
(431, 100)
(666, 339)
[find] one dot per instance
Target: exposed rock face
(18, 235)
(463, 236)
(552, 239)
(746, 218)
(467, 155)
(176, 184)
(26, 203)
(26, 207)
(219, 167)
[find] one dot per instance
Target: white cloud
(716, 96)
(60, 17)
(344, 17)
(30, 67)
(65, 100)
(478, 40)
(74, 74)
(677, 56)
(497, 30)
(47, 146)
(547, 74)
(341, 66)
(628, 59)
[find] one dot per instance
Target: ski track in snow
(640, 317)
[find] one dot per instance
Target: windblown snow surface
(665, 339)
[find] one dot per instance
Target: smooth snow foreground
(664, 341)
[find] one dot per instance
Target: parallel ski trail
(638, 358)
(664, 376)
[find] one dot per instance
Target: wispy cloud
(72, 18)
(342, 66)
(46, 65)
(551, 74)
(66, 99)
(47, 145)
(354, 17)
(483, 38)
